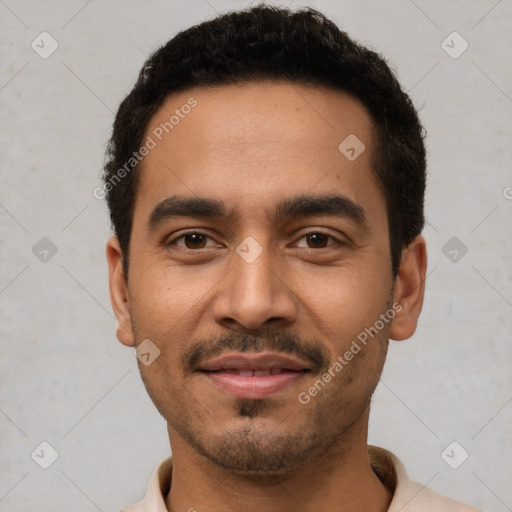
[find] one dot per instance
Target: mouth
(253, 376)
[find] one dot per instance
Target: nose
(255, 295)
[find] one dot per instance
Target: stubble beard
(272, 455)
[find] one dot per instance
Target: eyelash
(338, 243)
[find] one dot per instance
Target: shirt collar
(407, 495)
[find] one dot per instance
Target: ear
(119, 293)
(409, 289)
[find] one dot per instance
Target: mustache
(274, 341)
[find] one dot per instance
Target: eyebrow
(298, 206)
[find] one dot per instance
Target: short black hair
(273, 43)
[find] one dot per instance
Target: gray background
(66, 380)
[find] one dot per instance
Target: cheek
(168, 304)
(344, 300)
(164, 297)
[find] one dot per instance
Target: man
(265, 179)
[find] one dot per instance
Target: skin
(252, 146)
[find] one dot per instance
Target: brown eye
(190, 241)
(317, 240)
(194, 241)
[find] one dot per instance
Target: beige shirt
(408, 496)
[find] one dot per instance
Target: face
(255, 236)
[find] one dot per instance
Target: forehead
(253, 143)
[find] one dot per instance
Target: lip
(220, 372)
(261, 361)
(253, 387)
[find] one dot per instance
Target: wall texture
(65, 379)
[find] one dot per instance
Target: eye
(318, 240)
(191, 241)
(196, 240)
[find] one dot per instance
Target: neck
(341, 479)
